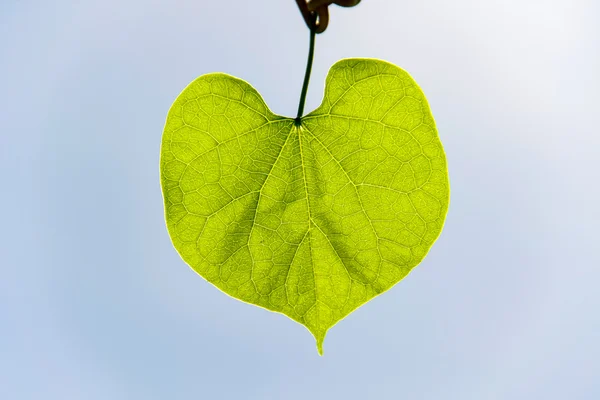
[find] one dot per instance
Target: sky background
(95, 303)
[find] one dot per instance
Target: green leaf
(309, 219)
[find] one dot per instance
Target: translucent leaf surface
(309, 219)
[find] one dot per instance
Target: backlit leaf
(309, 219)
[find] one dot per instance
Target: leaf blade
(310, 220)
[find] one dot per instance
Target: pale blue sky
(96, 304)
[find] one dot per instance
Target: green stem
(311, 53)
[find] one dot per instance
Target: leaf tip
(320, 346)
(320, 339)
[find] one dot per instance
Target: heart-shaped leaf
(308, 218)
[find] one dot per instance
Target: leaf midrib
(302, 166)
